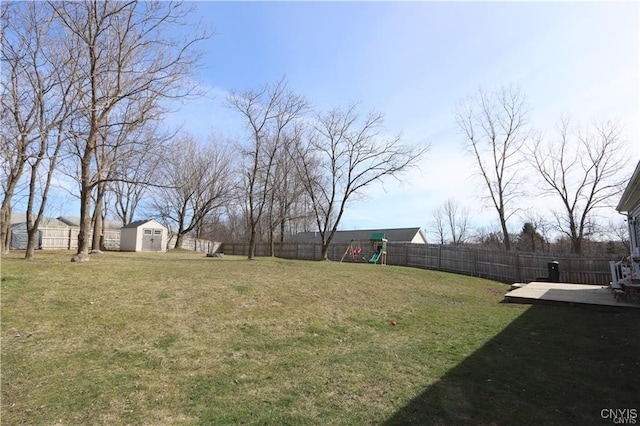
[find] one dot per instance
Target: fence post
(406, 255)
(475, 262)
(518, 273)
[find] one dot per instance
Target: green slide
(375, 257)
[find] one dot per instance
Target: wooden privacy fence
(508, 267)
(67, 238)
(195, 244)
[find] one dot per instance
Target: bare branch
(270, 113)
(344, 155)
(583, 170)
(129, 61)
(495, 129)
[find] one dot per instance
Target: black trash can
(554, 271)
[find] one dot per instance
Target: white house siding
(419, 239)
(634, 231)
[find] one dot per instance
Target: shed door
(151, 239)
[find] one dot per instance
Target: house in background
(143, 235)
(74, 221)
(397, 235)
(19, 235)
(630, 206)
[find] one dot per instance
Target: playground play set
(378, 253)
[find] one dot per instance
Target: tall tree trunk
(179, 240)
(32, 240)
(85, 220)
(5, 224)
(324, 255)
(97, 219)
(252, 243)
(85, 199)
(5, 210)
(33, 228)
(32, 225)
(97, 228)
(575, 236)
(272, 243)
(505, 233)
(576, 245)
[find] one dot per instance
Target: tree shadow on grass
(552, 365)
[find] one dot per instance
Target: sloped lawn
(178, 338)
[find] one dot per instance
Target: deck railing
(625, 280)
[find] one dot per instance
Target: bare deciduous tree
(36, 83)
(197, 181)
(489, 237)
(495, 127)
(135, 171)
(584, 170)
(268, 113)
(438, 226)
(125, 140)
(129, 52)
(288, 190)
(15, 108)
(451, 222)
(618, 232)
(347, 153)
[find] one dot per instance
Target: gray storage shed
(143, 235)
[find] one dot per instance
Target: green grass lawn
(178, 338)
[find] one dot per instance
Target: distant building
(74, 221)
(396, 235)
(19, 235)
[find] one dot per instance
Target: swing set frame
(354, 251)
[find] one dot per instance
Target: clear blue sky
(414, 61)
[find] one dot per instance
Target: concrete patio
(587, 296)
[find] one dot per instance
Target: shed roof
(404, 235)
(137, 223)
